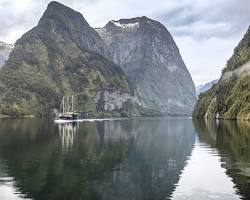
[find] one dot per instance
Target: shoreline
(119, 118)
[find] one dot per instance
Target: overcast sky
(206, 31)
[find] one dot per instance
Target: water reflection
(232, 141)
(67, 132)
(127, 159)
(204, 178)
(123, 159)
(158, 155)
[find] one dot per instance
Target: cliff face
(5, 50)
(148, 55)
(230, 97)
(128, 68)
(63, 55)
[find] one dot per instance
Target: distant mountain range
(230, 97)
(5, 50)
(130, 67)
(203, 88)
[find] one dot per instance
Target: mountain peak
(55, 4)
(142, 19)
(58, 10)
(135, 19)
(150, 58)
(61, 21)
(58, 5)
(142, 23)
(70, 59)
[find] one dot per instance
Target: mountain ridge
(59, 57)
(203, 88)
(230, 97)
(63, 55)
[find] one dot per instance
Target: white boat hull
(63, 121)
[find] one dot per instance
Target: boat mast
(68, 105)
(72, 101)
(63, 104)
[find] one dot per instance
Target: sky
(206, 31)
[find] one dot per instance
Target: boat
(67, 113)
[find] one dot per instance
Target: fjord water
(146, 158)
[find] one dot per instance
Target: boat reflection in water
(120, 159)
(67, 132)
(149, 158)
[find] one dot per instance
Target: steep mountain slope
(148, 55)
(5, 50)
(62, 55)
(203, 88)
(230, 97)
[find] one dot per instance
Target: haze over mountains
(63, 55)
(203, 88)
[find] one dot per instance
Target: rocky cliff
(130, 67)
(63, 55)
(230, 97)
(5, 50)
(148, 55)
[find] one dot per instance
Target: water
(150, 158)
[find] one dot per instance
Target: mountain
(63, 55)
(230, 97)
(5, 50)
(151, 60)
(203, 88)
(130, 67)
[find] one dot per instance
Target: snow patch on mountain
(126, 26)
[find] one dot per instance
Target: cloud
(19, 16)
(203, 19)
(199, 19)
(206, 31)
(205, 58)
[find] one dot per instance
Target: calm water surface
(150, 158)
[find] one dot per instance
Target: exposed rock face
(111, 100)
(230, 97)
(151, 60)
(203, 88)
(62, 55)
(5, 50)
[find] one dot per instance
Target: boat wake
(63, 121)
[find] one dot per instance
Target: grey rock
(148, 55)
(62, 56)
(5, 50)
